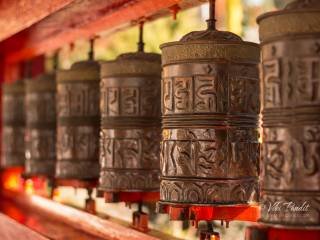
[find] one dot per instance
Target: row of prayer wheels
(103, 121)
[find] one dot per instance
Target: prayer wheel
(40, 138)
(78, 122)
(210, 107)
(290, 158)
(130, 123)
(13, 120)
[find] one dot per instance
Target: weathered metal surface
(210, 106)
(130, 123)
(290, 157)
(78, 122)
(13, 120)
(40, 138)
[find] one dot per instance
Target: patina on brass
(290, 159)
(78, 122)
(40, 138)
(130, 123)
(210, 107)
(13, 120)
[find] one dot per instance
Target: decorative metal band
(43, 83)
(39, 167)
(210, 120)
(76, 121)
(80, 71)
(13, 146)
(189, 191)
(130, 180)
(199, 50)
(291, 209)
(291, 128)
(288, 22)
(17, 87)
(82, 169)
(130, 68)
(130, 122)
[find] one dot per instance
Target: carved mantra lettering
(77, 142)
(129, 148)
(209, 133)
(209, 94)
(13, 146)
(78, 131)
(129, 101)
(290, 160)
(40, 137)
(78, 99)
(13, 107)
(41, 108)
(136, 148)
(289, 82)
(207, 153)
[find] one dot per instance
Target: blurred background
(238, 16)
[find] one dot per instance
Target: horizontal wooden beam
(11, 229)
(88, 223)
(83, 19)
(17, 15)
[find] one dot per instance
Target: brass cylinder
(78, 122)
(13, 120)
(210, 106)
(290, 159)
(130, 123)
(40, 137)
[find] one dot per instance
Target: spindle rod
(141, 43)
(91, 50)
(211, 22)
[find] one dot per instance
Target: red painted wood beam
(91, 224)
(83, 19)
(17, 15)
(11, 229)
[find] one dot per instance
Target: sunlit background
(238, 16)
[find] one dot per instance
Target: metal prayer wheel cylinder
(210, 107)
(78, 122)
(13, 120)
(40, 137)
(290, 158)
(130, 123)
